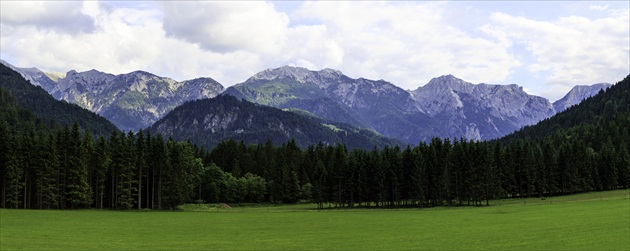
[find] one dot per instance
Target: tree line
(442, 172)
(52, 166)
(67, 168)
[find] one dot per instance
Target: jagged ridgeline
(447, 107)
(209, 121)
(610, 106)
(50, 110)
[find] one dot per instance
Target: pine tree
(99, 166)
(320, 176)
(122, 164)
(14, 175)
(77, 186)
(47, 173)
(4, 156)
(140, 163)
(608, 167)
(623, 166)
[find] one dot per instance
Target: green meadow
(591, 221)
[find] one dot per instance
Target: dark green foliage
(77, 186)
(64, 168)
(606, 106)
(208, 122)
(52, 111)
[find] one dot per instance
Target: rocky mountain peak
(331, 71)
(34, 76)
(451, 82)
(577, 94)
(298, 73)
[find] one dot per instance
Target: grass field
(592, 221)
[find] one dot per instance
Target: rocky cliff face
(36, 76)
(445, 107)
(135, 100)
(481, 111)
(131, 101)
(377, 105)
(210, 121)
(577, 94)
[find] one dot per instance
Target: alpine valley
(446, 107)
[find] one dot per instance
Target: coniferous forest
(62, 166)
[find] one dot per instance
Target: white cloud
(124, 40)
(407, 43)
(573, 50)
(227, 26)
(62, 16)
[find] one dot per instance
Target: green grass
(592, 221)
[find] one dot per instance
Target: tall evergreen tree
(14, 175)
(77, 186)
(99, 166)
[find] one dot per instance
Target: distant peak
(333, 71)
(93, 71)
(448, 81)
(297, 73)
(140, 72)
(448, 77)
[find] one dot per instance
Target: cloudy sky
(547, 47)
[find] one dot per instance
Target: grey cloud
(226, 27)
(64, 17)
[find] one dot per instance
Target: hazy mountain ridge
(35, 76)
(36, 100)
(481, 111)
(208, 122)
(577, 94)
(446, 107)
(131, 101)
(329, 94)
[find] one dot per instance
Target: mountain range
(207, 122)
(131, 101)
(52, 112)
(446, 107)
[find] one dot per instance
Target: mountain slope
(36, 76)
(131, 101)
(446, 107)
(209, 121)
(480, 111)
(37, 100)
(605, 106)
(577, 94)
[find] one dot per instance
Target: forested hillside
(37, 100)
(208, 122)
(69, 168)
(609, 104)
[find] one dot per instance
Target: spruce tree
(14, 175)
(77, 186)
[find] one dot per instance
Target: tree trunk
(140, 187)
